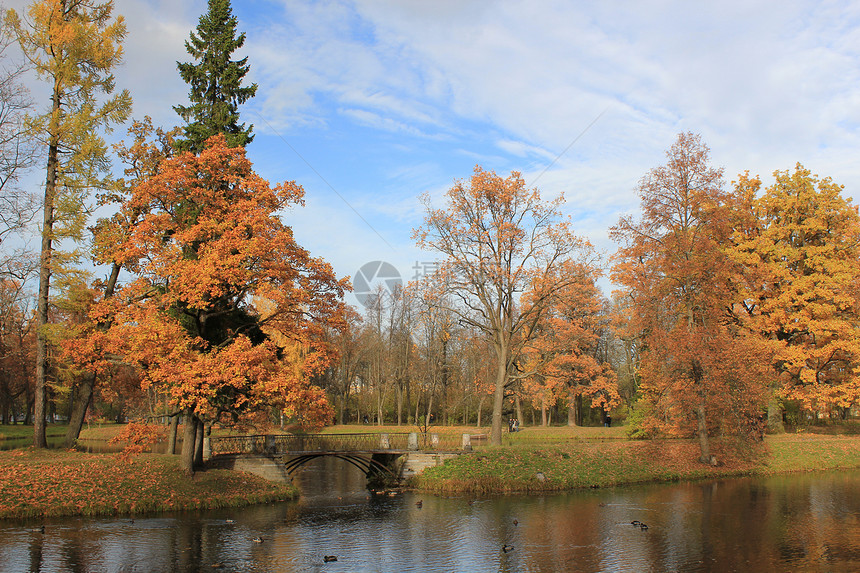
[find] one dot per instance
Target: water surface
(805, 522)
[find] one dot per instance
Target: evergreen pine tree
(216, 82)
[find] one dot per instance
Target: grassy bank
(37, 483)
(528, 467)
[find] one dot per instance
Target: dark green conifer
(216, 82)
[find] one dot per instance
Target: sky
(369, 103)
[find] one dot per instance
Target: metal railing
(368, 442)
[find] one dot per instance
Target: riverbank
(528, 467)
(53, 483)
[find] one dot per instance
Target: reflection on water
(786, 523)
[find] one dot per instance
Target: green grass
(54, 432)
(582, 463)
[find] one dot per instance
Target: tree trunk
(571, 412)
(188, 442)
(379, 398)
(429, 412)
(41, 399)
(199, 431)
(519, 409)
(84, 395)
(499, 399)
(774, 417)
(83, 399)
(480, 410)
(443, 403)
(703, 434)
(171, 436)
(399, 403)
(543, 420)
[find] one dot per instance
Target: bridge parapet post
(434, 441)
(384, 442)
(270, 444)
(467, 442)
(412, 444)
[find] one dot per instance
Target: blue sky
(368, 104)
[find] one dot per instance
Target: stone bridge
(391, 456)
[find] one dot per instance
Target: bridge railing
(366, 442)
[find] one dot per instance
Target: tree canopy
(207, 249)
(801, 262)
(698, 369)
(500, 239)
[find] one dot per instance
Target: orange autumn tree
(562, 359)
(801, 255)
(699, 369)
(205, 244)
(497, 238)
(142, 159)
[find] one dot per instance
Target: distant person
(608, 422)
(365, 419)
(516, 424)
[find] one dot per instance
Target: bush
(639, 426)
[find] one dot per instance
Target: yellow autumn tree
(73, 45)
(801, 254)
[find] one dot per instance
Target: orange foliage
(203, 236)
(138, 438)
(699, 368)
(17, 348)
(561, 357)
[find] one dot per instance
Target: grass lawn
(527, 435)
(603, 463)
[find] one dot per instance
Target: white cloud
(387, 99)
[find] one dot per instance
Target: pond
(784, 523)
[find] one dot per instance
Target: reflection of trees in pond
(794, 522)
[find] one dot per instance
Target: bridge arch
(367, 463)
